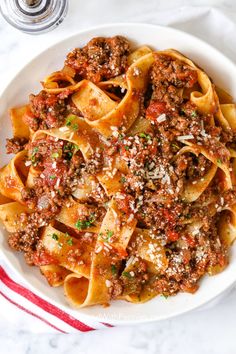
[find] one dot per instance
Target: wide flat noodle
(229, 112)
(82, 136)
(121, 79)
(125, 113)
(51, 81)
(223, 165)
(70, 215)
(72, 253)
(224, 97)
(113, 235)
(54, 274)
(227, 225)
(111, 183)
(87, 186)
(33, 173)
(4, 200)
(132, 292)
(192, 191)
(76, 289)
(19, 128)
(12, 177)
(148, 247)
(92, 101)
(11, 216)
(207, 100)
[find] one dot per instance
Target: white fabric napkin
(18, 304)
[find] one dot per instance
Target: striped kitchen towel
(24, 308)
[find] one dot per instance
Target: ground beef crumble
(15, 145)
(101, 59)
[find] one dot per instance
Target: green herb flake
(33, 158)
(55, 155)
(127, 275)
(75, 126)
(126, 147)
(165, 296)
(84, 224)
(109, 234)
(113, 269)
(68, 150)
(219, 161)
(194, 114)
(123, 179)
(55, 237)
(52, 177)
(69, 119)
(69, 155)
(145, 136)
(175, 146)
(35, 150)
(70, 242)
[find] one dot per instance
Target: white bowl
(223, 72)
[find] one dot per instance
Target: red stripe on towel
(31, 313)
(46, 306)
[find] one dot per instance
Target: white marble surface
(209, 331)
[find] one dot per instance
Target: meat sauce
(152, 189)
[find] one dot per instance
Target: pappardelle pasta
(122, 186)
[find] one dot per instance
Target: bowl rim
(3, 92)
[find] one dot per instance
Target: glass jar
(34, 16)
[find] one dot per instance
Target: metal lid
(34, 16)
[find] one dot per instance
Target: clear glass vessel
(34, 16)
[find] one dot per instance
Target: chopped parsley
(84, 224)
(219, 161)
(52, 177)
(175, 146)
(109, 234)
(55, 237)
(126, 147)
(113, 269)
(145, 136)
(69, 149)
(35, 150)
(69, 155)
(75, 126)
(69, 119)
(194, 114)
(121, 136)
(127, 275)
(55, 155)
(70, 242)
(123, 179)
(33, 158)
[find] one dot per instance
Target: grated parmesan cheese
(161, 118)
(185, 137)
